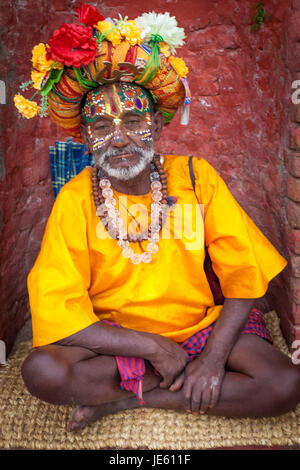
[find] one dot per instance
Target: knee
(285, 389)
(45, 374)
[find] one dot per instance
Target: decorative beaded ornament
(110, 216)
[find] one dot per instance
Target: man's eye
(132, 122)
(102, 127)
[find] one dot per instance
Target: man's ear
(85, 137)
(158, 124)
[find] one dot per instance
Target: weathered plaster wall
(292, 163)
(241, 86)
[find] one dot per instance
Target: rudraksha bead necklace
(110, 216)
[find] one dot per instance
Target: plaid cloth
(67, 159)
(132, 369)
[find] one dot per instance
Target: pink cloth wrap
(132, 369)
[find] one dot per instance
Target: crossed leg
(259, 381)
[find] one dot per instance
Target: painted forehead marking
(128, 97)
(113, 105)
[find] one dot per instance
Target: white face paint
(120, 123)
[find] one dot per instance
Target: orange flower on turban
(179, 66)
(26, 107)
(39, 60)
(37, 78)
(110, 32)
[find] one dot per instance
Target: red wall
(241, 86)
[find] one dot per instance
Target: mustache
(117, 152)
(125, 174)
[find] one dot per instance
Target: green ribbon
(54, 77)
(101, 37)
(153, 96)
(69, 100)
(168, 116)
(84, 82)
(155, 38)
(153, 63)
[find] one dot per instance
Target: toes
(78, 419)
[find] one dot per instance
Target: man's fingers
(197, 394)
(201, 393)
(210, 394)
(177, 384)
(205, 395)
(205, 399)
(165, 383)
(187, 391)
(196, 399)
(215, 391)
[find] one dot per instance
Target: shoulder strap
(192, 174)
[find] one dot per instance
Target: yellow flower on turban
(26, 107)
(115, 33)
(111, 32)
(179, 65)
(39, 61)
(131, 32)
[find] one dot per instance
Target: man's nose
(120, 138)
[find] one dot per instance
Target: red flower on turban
(88, 15)
(72, 44)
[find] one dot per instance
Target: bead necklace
(110, 216)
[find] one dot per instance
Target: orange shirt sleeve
(243, 258)
(60, 278)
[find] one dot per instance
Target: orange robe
(81, 277)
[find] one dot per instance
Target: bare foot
(83, 415)
(156, 398)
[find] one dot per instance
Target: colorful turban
(81, 57)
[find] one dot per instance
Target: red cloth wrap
(132, 369)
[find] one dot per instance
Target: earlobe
(85, 138)
(158, 124)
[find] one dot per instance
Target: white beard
(124, 174)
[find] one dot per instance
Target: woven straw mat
(28, 423)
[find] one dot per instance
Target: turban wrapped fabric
(123, 62)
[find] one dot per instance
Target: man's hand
(169, 359)
(201, 380)
(202, 384)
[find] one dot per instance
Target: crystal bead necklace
(110, 215)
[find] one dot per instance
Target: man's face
(119, 129)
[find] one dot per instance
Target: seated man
(113, 299)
